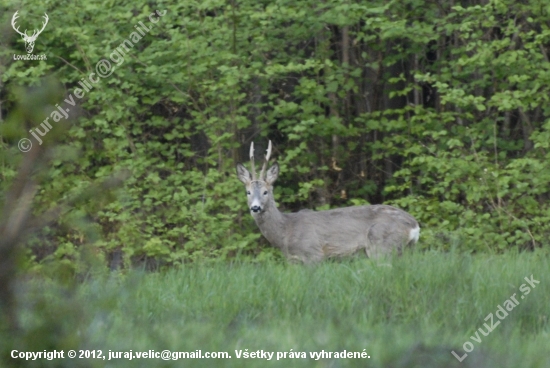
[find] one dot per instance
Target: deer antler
(252, 161)
(15, 16)
(35, 32)
(267, 156)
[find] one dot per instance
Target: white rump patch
(414, 234)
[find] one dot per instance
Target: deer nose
(255, 208)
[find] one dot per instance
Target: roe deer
(310, 236)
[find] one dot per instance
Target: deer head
(259, 191)
(29, 40)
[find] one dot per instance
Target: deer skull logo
(29, 39)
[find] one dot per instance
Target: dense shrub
(439, 109)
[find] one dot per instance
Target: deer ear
(272, 174)
(243, 174)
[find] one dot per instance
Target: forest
(438, 108)
(121, 124)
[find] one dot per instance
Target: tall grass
(409, 311)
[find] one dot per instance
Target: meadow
(408, 311)
(439, 108)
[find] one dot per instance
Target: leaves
(441, 110)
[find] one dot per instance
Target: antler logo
(29, 40)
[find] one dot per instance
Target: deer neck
(272, 224)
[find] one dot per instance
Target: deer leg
(383, 240)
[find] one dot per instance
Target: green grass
(409, 311)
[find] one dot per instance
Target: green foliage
(419, 306)
(440, 110)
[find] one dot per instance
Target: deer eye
(247, 192)
(265, 193)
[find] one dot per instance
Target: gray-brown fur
(311, 236)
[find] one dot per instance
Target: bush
(440, 110)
